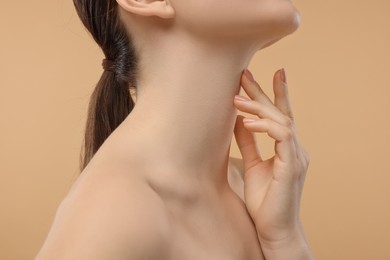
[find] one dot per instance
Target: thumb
(246, 142)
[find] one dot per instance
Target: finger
(266, 108)
(282, 102)
(253, 89)
(284, 137)
(280, 87)
(262, 110)
(246, 142)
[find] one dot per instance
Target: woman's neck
(184, 115)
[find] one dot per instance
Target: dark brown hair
(110, 101)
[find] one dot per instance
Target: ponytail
(110, 101)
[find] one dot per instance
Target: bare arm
(108, 218)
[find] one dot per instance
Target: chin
(288, 20)
(294, 21)
(284, 26)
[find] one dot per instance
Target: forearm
(293, 247)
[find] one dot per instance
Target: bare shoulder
(108, 216)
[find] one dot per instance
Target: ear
(160, 8)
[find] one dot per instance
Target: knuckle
(298, 172)
(306, 156)
(288, 121)
(300, 169)
(304, 165)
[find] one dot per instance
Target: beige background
(338, 68)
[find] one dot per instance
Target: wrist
(292, 246)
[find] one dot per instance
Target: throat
(184, 116)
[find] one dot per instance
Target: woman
(158, 183)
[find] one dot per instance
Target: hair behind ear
(110, 101)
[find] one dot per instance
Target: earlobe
(160, 8)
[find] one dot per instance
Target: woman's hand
(272, 187)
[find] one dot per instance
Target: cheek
(197, 14)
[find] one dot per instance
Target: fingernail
(249, 75)
(240, 98)
(248, 120)
(283, 75)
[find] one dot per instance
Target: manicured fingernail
(249, 75)
(248, 120)
(240, 98)
(283, 75)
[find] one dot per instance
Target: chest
(223, 232)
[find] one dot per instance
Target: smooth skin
(122, 216)
(163, 186)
